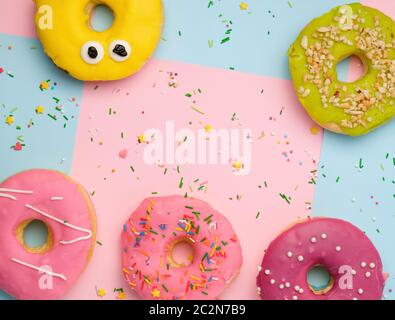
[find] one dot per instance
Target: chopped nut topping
(348, 29)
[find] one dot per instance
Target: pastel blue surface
(48, 143)
(35, 234)
(259, 39)
(318, 278)
(102, 18)
(357, 183)
(4, 296)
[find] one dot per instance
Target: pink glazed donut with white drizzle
(48, 271)
(352, 261)
(156, 227)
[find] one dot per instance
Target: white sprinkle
(324, 29)
(301, 290)
(372, 265)
(259, 269)
(267, 272)
(324, 236)
(355, 299)
(4, 195)
(306, 93)
(16, 191)
(289, 254)
(313, 240)
(338, 248)
(353, 272)
(305, 42)
(40, 269)
(57, 198)
(296, 288)
(287, 284)
(368, 274)
(65, 223)
(272, 281)
(360, 291)
(363, 264)
(300, 258)
(294, 298)
(281, 286)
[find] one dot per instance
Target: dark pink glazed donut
(345, 251)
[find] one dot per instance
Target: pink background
(146, 101)
(284, 157)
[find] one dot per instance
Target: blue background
(259, 40)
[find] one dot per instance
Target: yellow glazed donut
(66, 34)
(348, 108)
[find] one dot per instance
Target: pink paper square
(284, 156)
(17, 18)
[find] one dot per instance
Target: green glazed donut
(348, 108)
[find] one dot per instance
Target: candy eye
(92, 52)
(120, 50)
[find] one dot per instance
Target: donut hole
(320, 280)
(351, 69)
(101, 17)
(35, 236)
(181, 253)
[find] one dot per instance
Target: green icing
(348, 114)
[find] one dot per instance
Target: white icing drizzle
(4, 195)
(16, 191)
(65, 223)
(57, 198)
(61, 276)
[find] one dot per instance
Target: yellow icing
(351, 20)
(63, 27)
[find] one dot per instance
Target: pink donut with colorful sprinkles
(152, 231)
(342, 249)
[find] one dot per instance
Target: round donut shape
(348, 108)
(64, 29)
(151, 233)
(48, 271)
(342, 249)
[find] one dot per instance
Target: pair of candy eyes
(92, 52)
